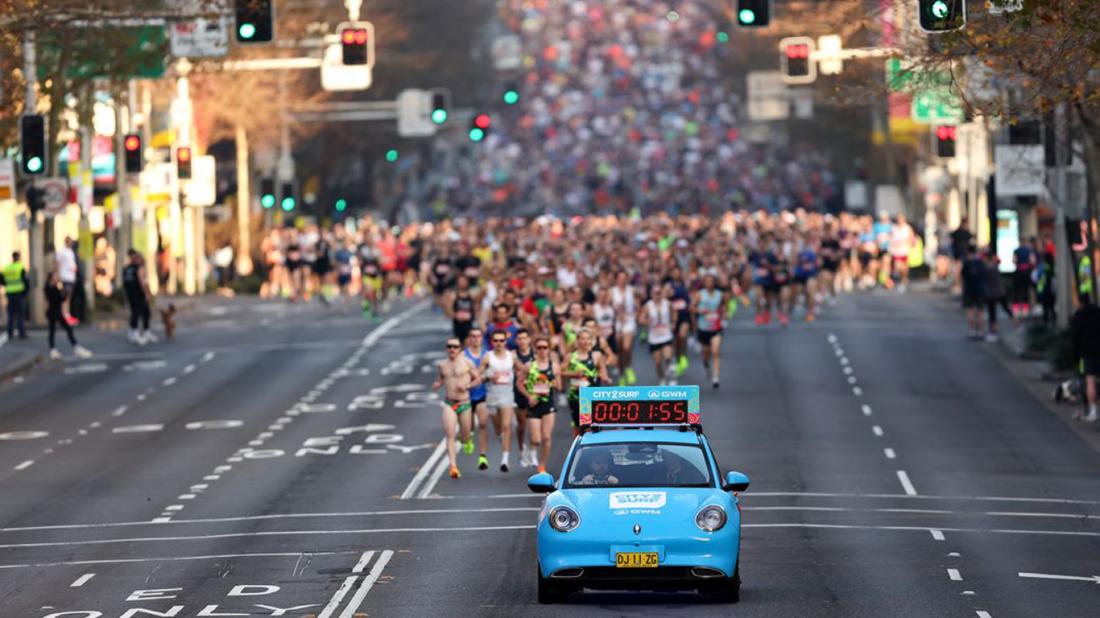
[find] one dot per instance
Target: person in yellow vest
(15, 282)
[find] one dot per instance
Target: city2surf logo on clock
(637, 499)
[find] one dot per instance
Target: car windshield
(639, 464)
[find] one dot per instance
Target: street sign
(7, 179)
(996, 7)
(1020, 169)
(335, 76)
(507, 53)
(202, 188)
(829, 48)
(768, 97)
(937, 106)
(414, 113)
(55, 195)
(200, 38)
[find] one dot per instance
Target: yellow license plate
(636, 560)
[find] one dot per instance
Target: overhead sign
(768, 96)
(200, 38)
(937, 106)
(335, 76)
(7, 179)
(55, 195)
(414, 113)
(1020, 169)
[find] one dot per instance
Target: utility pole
(244, 203)
(37, 257)
(1063, 260)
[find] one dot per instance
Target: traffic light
(511, 94)
(267, 193)
(945, 140)
(941, 15)
(131, 145)
(255, 21)
(392, 155)
(32, 144)
(795, 60)
(754, 13)
(289, 202)
(479, 127)
(441, 105)
(354, 42)
(341, 205)
(183, 162)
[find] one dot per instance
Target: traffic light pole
(37, 259)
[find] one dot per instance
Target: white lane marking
(368, 583)
(138, 428)
(851, 379)
(86, 368)
(83, 579)
(890, 454)
(937, 534)
(847, 370)
(831, 338)
(857, 391)
(292, 533)
(25, 465)
(119, 411)
(169, 381)
(211, 477)
(440, 468)
(42, 565)
(220, 469)
(866, 410)
(199, 487)
(955, 554)
(1023, 514)
(161, 520)
(984, 614)
(424, 470)
(338, 597)
(877, 430)
(906, 484)
(141, 397)
(24, 435)
(3, 339)
(1092, 578)
(954, 575)
(206, 358)
(174, 507)
(185, 497)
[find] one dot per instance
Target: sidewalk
(1035, 374)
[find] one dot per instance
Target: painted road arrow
(1091, 578)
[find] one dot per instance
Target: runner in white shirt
(500, 368)
(624, 302)
(657, 316)
(901, 242)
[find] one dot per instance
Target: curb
(19, 367)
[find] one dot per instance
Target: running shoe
(455, 474)
(759, 319)
(784, 319)
(767, 317)
(622, 380)
(482, 462)
(542, 469)
(810, 317)
(682, 366)
(55, 355)
(715, 384)
(468, 447)
(631, 378)
(82, 352)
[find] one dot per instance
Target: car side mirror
(735, 481)
(541, 483)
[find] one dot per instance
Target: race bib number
(579, 382)
(713, 319)
(679, 304)
(502, 378)
(471, 272)
(463, 316)
(661, 332)
(542, 388)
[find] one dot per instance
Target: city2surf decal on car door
(637, 502)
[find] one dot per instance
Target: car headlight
(711, 518)
(564, 519)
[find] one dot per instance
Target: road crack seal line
(305, 403)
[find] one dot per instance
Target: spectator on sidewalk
(972, 278)
(67, 271)
(138, 297)
(15, 282)
(994, 294)
(1044, 287)
(1025, 260)
(961, 239)
(55, 299)
(1085, 336)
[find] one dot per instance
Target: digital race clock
(639, 405)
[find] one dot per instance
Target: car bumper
(683, 561)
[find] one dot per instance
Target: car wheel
(548, 591)
(729, 590)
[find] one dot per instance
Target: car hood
(608, 505)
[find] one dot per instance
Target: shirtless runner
(456, 375)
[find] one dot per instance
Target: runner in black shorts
(543, 379)
(524, 354)
(462, 309)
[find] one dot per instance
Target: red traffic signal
(483, 121)
(945, 140)
(183, 162)
(946, 132)
(797, 52)
(354, 41)
(133, 153)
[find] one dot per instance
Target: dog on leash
(168, 316)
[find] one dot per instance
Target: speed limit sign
(55, 195)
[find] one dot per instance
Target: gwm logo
(637, 499)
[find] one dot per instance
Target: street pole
(1063, 260)
(244, 203)
(37, 259)
(148, 215)
(84, 244)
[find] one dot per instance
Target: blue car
(639, 508)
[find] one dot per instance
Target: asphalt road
(281, 460)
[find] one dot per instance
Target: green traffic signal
(288, 204)
(392, 155)
(268, 201)
(341, 205)
(246, 31)
(511, 97)
(723, 37)
(746, 16)
(439, 116)
(939, 9)
(34, 165)
(476, 134)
